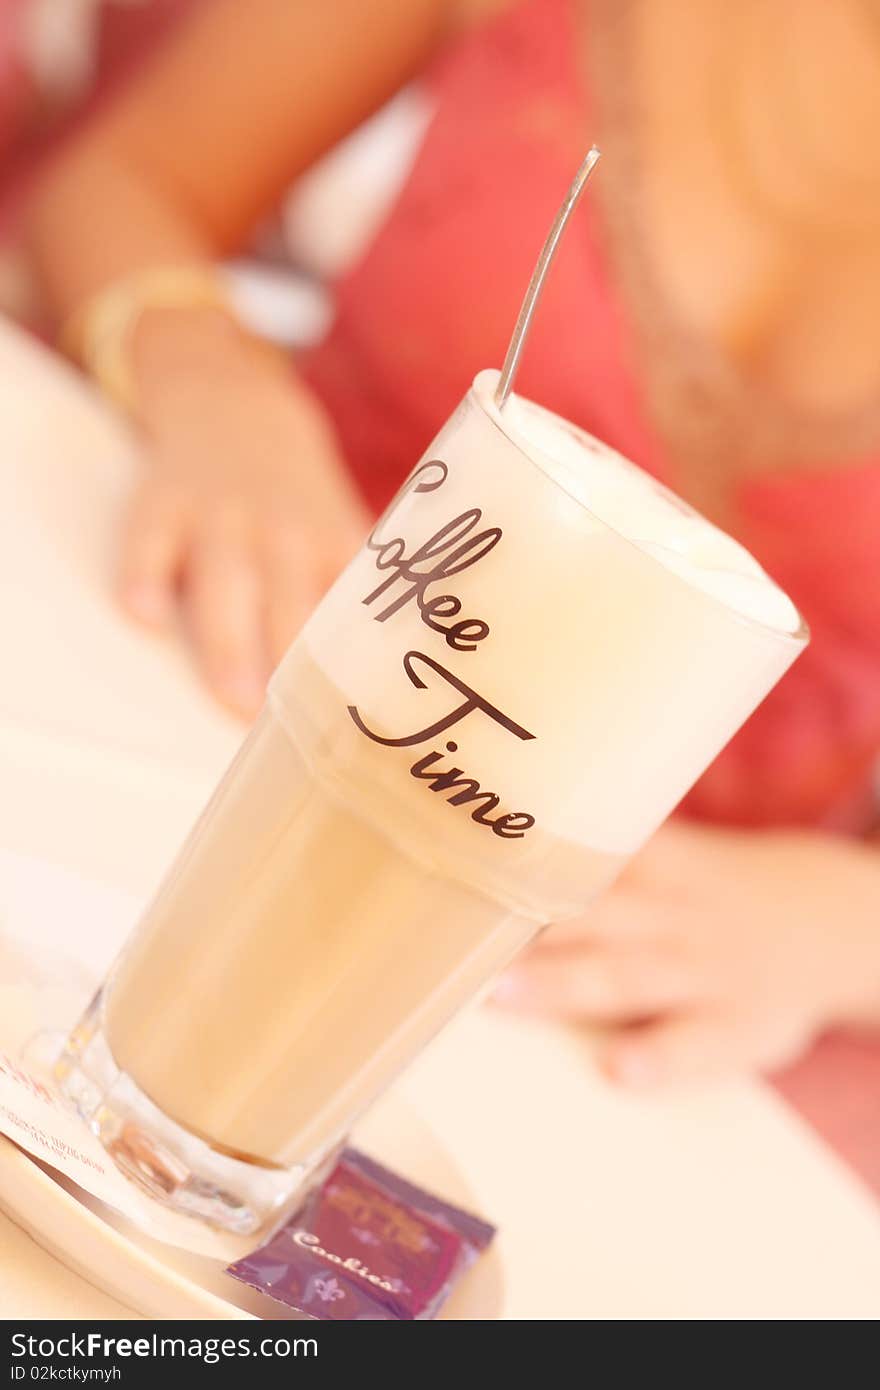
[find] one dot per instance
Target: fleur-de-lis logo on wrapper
(328, 1290)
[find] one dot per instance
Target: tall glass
(534, 655)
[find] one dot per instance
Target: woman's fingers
(248, 580)
(598, 985)
(152, 554)
(694, 1046)
(224, 610)
(622, 917)
(300, 562)
(646, 901)
(292, 586)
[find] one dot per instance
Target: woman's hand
(244, 514)
(716, 950)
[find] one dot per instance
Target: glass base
(166, 1161)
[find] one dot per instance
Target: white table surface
(713, 1202)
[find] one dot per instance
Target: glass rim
(798, 636)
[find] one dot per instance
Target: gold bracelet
(98, 334)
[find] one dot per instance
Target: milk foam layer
(613, 624)
(641, 510)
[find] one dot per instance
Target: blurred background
(369, 185)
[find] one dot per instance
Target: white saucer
(162, 1281)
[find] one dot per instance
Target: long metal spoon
(536, 284)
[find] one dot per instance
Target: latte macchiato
(533, 657)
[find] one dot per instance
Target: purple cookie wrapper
(366, 1245)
